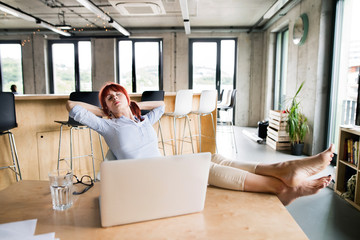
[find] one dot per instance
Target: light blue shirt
(126, 138)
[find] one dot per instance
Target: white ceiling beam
(185, 15)
(100, 13)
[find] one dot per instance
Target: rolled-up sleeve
(155, 114)
(87, 118)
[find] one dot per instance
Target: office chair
(7, 122)
(87, 97)
(226, 109)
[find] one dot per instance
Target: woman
(130, 135)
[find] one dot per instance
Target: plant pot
(297, 148)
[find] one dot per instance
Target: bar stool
(183, 106)
(7, 122)
(154, 96)
(87, 97)
(226, 109)
(206, 107)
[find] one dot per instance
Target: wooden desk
(227, 215)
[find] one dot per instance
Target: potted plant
(297, 125)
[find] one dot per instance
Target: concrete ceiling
(204, 14)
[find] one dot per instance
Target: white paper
(22, 230)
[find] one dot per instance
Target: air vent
(138, 8)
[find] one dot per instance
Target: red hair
(104, 91)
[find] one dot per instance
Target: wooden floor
(324, 216)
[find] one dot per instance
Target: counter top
(66, 96)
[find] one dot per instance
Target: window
(346, 67)
(70, 66)
(212, 64)
(140, 65)
(281, 58)
(11, 66)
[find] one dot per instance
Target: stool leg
(199, 120)
(58, 162)
(191, 140)
(183, 136)
(233, 133)
(71, 160)
(212, 120)
(101, 146)
(15, 157)
(92, 154)
(175, 135)
(161, 135)
(192, 145)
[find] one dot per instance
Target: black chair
(7, 122)
(87, 97)
(154, 96)
(151, 96)
(226, 109)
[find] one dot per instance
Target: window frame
(133, 66)
(76, 62)
(22, 63)
(218, 60)
(279, 68)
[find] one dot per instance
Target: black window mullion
(191, 42)
(235, 63)
(161, 87)
(133, 68)
(77, 68)
(1, 88)
(218, 64)
(51, 70)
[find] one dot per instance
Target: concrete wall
(309, 62)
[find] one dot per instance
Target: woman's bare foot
(294, 172)
(306, 188)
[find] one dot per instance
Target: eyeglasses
(84, 180)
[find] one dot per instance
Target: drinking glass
(61, 187)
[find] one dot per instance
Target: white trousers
(229, 174)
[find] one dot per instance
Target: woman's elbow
(69, 105)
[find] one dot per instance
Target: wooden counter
(37, 136)
(227, 215)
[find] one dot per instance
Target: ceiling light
(187, 27)
(118, 27)
(185, 15)
(95, 9)
(54, 29)
(63, 27)
(17, 13)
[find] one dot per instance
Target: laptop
(138, 190)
